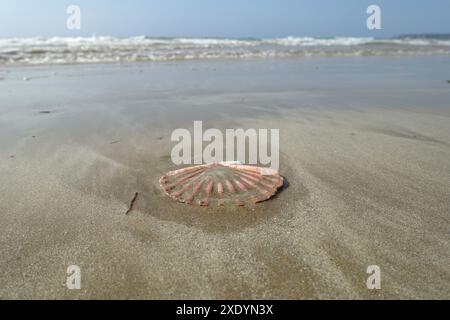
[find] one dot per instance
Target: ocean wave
(105, 49)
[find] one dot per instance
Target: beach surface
(364, 146)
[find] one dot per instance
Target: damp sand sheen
(364, 147)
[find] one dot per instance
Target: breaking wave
(60, 50)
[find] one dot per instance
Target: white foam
(60, 50)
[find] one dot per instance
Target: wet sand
(365, 147)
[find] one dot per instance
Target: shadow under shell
(222, 184)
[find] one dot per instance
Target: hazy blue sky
(223, 18)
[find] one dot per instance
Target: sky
(223, 18)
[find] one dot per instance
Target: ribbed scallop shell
(221, 184)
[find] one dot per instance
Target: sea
(106, 49)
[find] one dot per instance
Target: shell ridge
(221, 184)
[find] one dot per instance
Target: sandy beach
(364, 146)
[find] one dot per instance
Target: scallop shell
(222, 184)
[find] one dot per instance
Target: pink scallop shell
(221, 184)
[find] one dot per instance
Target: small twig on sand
(132, 203)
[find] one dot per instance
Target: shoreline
(221, 60)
